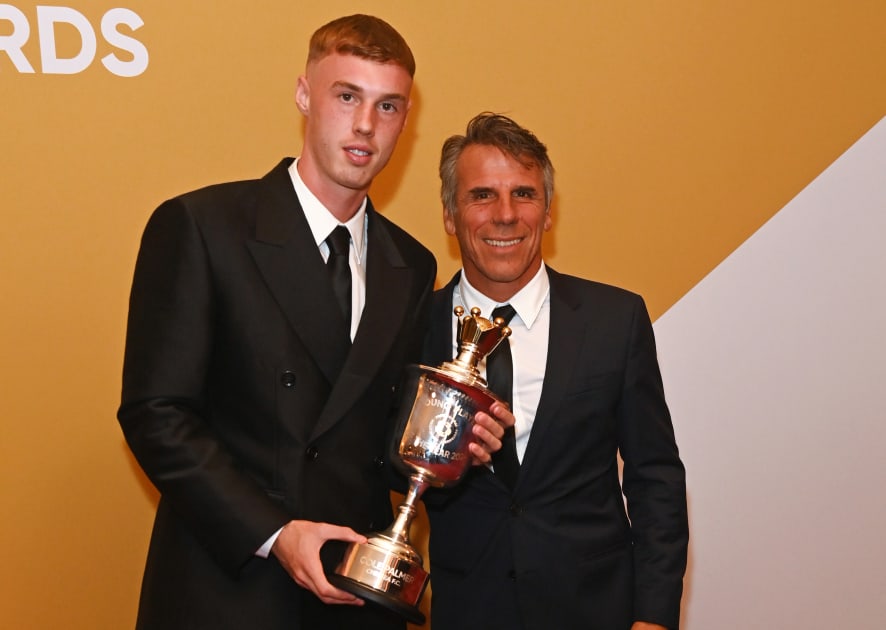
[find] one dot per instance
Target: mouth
(361, 153)
(501, 242)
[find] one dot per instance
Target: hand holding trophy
(434, 431)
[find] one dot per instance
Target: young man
(269, 324)
(552, 546)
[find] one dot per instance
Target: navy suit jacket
(246, 404)
(559, 550)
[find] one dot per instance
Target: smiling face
(499, 220)
(355, 110)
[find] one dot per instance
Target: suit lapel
(387, 278)
(438, 343)
(295, 273)
(567, 328)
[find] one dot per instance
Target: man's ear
(303, 95)
(406, 117)
(449, 222)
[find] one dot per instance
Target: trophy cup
(434, 429)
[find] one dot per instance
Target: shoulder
(442, 297)
(606, 307)
(217, 198)
(582, 289)
(220, 193)
(205, 211)
(221, 203)
(409, 247)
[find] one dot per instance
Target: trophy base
(380, 573)
(410, 613)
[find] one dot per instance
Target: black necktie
(500, 377)
(339, 242)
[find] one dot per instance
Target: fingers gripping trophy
(434, 429)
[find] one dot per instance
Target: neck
(500, 292)
(341, 202)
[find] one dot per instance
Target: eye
(388, 107)
(525, 193)
(347, 97)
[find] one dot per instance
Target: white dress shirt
(322, 222)
(530, 328)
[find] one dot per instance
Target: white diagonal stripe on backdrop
(774, 366)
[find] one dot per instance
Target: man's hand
(488, 431)
(297, 548)
(645, 625)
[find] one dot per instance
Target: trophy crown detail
(477, 337)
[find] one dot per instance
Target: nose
(505, 210)
(364, 120)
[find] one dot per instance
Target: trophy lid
(477, 337)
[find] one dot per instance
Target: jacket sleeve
(654, 482)
(169, 345)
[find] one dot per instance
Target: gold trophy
(434, 425)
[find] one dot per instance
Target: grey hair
(503, 133)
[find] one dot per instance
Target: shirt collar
(321, 221)
(527, 302)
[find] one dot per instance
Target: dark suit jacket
(247, 406)
(559, 551)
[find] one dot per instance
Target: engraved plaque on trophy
(433, 434)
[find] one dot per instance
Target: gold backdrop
(676, 128)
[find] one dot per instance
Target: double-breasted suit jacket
(245, 402)
(559, 550)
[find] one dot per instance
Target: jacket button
(288, 379)
(379, 462)
(516, 509)
(312, 453)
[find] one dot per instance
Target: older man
(541, 539)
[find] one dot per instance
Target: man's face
(355, 111)
(499, 220)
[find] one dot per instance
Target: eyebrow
(489, 189)
(531, 189)
(481, 189)
(352, 87)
